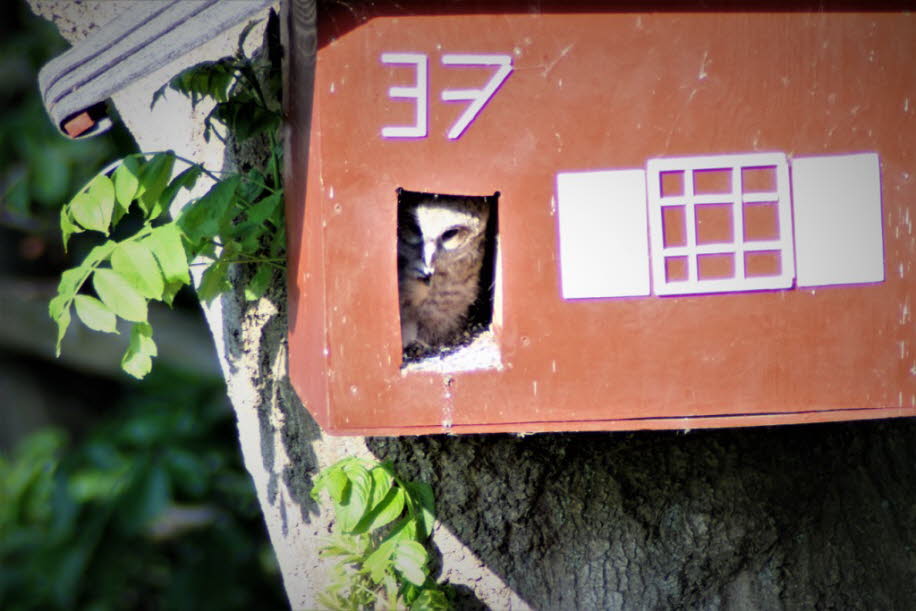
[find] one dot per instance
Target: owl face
(436, 232)
(441, 248)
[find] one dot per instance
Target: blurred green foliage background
(150, 509)
(114, 494)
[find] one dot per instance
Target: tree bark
(815, 516)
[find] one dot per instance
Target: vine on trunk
(381, 525)
(145, 255)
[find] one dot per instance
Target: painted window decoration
(720, 223)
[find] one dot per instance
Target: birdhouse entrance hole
(447, 280)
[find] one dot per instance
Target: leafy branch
(381, 524)
(238, 220)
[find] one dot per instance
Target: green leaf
(95, 314)
(265, 208)
(278, 243)
(351, 511)
(386, 503)
(126, 182)
(141, 339)
(332, 479)
(247, 118)
(170, 292)
(275, 163)
(136, 364)
(379, 561)
(70, 282)
(382, 482)
(251, 188)
(430, 600)
(72, 279)
(203, 219)
(424, 499)
(404, 530)
(137, 359)
(92, 207)
(118, 294)
(186, 180)
(62, 318)
(154, 177)
(97, 255)
(207, 79)
(410, 560)
(134, 261)
(248, 235)
(346, 546)
(165, 243)
(67, 226)
(213, 282)
(384, 512)
(59, 304)
(258, 284)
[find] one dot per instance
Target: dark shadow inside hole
(426, 301)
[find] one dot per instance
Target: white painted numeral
(418, 92)
(477, 97)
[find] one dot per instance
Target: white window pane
(838, 231)
(603, 240)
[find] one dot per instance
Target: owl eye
(451, 237)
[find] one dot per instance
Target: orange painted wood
(78, 124)
(592, 90)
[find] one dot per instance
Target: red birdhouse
(691, 219)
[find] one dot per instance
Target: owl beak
(423, 272)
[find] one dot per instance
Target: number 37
(419, 91)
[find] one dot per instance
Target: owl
(441, 247)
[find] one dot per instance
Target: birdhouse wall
(601, 92)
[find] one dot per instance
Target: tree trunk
(815, 516)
